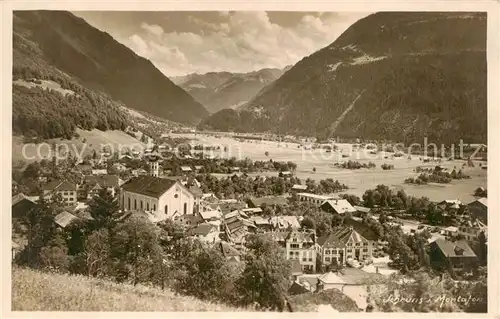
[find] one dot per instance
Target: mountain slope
(399, 76)
(93, 58)
(222, 90)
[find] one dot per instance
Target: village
(331, 238)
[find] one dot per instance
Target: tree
(307, 223)
(266, 153)
(32, 171)
(314, 169)
(132, 249)
(483, 248)
(41, 229)
(105, 211)
(204, 273)
(335, 266)
(383, 218)
(264, 279)
(54, 256)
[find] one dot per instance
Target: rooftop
(269, 200)
(458, 248)
(341, 206)
(102, 180)
(204, 229)
(315, 196)
(57, 185)
(340, 238)
(211, 214)
(64, 219)
(149, 185)
(285, 221)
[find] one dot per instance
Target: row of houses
(88, 187)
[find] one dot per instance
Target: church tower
(154, 164)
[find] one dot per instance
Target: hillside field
(93, 141)
(39, 291)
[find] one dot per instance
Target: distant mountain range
(391, 75)
(59, 46)
(225, 90)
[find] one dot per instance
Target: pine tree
(105, 211)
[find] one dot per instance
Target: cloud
(239, 42)
(152, 28)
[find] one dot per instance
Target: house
(470, 230)
(362, 211)
(303, 284)
(99, 171)
(125, 157)
(209, 197)
(188, 221)
(342, 244)
(313, 198)
(139, 172)
(301, 246)
(337, 206)
(186, 169)
(21, 205)
(64, 219)
(284, 222)
(228, 251)
(67, 190)
(206, 233)
(213, 217)
(198, 195)
(198, 168)
(299, 188)
(230, 206)
(119, 167)
(236, 229)
(251, 211)
(234, 169)
(285, 174)
(92, 185)
(210, 215)
(85, 169)
(479, 209)
(271, 201)
(457, 255)
(165, 197)
(451, 231)
(261, 223)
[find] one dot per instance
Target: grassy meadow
(42, 291)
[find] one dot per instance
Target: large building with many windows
(344, 244)
(65, 189)
(165, 198)
(298, 246)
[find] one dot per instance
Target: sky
(182, 42)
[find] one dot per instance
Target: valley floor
(358, 180)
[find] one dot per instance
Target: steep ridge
(59, 40)
(422, 74)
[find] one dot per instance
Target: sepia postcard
(267, 158)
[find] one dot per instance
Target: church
(161, 197)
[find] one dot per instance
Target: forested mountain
(391, 75)
(89, 74)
